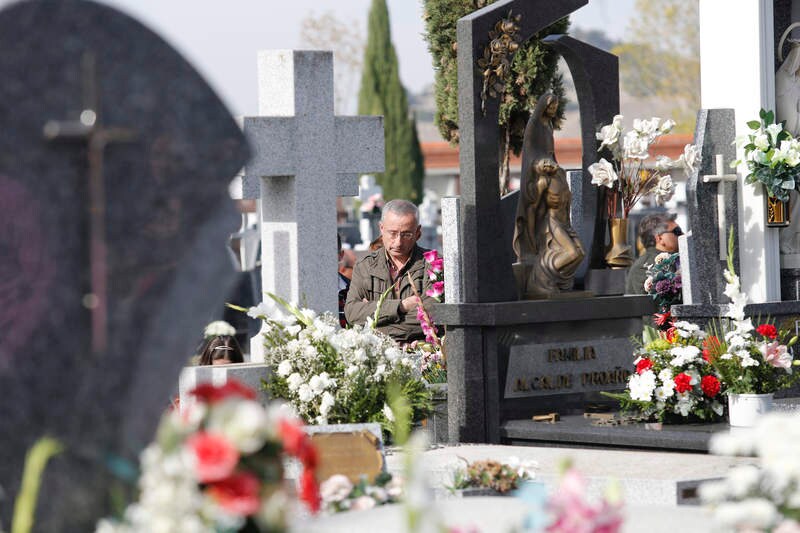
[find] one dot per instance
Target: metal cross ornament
(90, 129)
(719, 178)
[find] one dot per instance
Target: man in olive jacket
(391, 266)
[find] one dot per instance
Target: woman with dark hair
(221, 350)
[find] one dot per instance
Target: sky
(222, 39)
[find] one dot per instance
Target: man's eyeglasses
(677, 231)
(405, 235)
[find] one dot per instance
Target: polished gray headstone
(701, 266)
(167, 220)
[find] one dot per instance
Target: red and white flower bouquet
(218, 467)
(673, 380)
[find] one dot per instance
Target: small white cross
(719, 178)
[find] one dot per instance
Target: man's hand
(408, 304)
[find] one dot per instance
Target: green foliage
(382, 93)
(533, 72)
(772, 156)
(35, 462)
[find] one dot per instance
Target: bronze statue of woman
(548, 249)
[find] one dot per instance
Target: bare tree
(346, 40)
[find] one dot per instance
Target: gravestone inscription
(99, 313)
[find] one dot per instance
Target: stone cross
(711, 210)
(304, 157)
(719, 178)
(89, 129)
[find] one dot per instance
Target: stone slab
(532, 312)
(490, 514)
(249, 374)
(451, 248)
(605, 281)
(575, 430)
(645, 477)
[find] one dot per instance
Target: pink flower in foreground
(437, 265)
(214, 456)
(777, 355)
(572, 513)
(436, 290)
(431, 256)
(237, 494)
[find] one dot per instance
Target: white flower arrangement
(218, 328)
(626, 175)
(332, 375)
(763, 497)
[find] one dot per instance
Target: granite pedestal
(512, 360)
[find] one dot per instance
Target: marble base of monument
(511, 360)
(605, 281)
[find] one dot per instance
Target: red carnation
(710, 386)
(215, 457)
(683, 382)
(206, 392)
(309, 490)
(767, 330)
(237, 494)
(643, 364)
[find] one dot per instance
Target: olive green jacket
(371, 279)
(634, 282)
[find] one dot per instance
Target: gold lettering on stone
(571, 353)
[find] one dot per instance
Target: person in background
(394, 267)
(221, 350)
(344, 285)
(659, 233)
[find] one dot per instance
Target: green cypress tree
(382, 93)
(533, 72)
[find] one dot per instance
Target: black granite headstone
(113, 253)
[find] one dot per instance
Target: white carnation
(244, 423)
(294, 381)
(642, 385)
(304, 393)
(284, 368)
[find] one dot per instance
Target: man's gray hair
(400, 207)
(653, 225)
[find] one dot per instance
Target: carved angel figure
(546, 246)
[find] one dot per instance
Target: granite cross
(304, 156)
(719, 178)
(89, 128)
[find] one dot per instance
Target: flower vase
(437, 421)
(777, 212)
(618, 252)
(745, 410)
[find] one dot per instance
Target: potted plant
(773, 159)
(753, 361)
(628, 177)
(663, 284)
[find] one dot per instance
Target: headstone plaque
(352, 450)
(115, 157)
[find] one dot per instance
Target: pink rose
(437, 265)
(214, 456)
